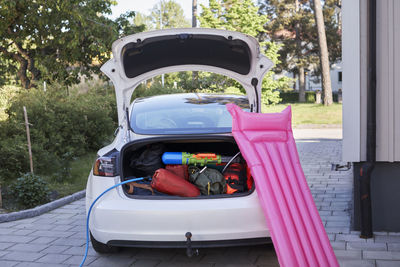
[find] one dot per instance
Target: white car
(183, 122)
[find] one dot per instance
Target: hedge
(293, 97)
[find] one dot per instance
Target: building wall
(336, 83)
(351, 80)
(388, 80)
(355, 48)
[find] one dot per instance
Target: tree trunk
(302, 85)
(323, 53)
(300, 68)
(194, 13)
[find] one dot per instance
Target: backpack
(209, 181)
(236, 179)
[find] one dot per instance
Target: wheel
(102, 248)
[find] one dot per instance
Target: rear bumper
(194, 244)
(118, 219)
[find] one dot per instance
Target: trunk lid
(144, 55)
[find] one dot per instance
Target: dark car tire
(102, 248)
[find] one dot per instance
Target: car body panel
(117, 217)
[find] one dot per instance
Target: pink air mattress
(266, 142)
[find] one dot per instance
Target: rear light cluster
(106, 165)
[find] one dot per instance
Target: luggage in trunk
(133, 158)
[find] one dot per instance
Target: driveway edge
(23, 214)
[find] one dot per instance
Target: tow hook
(189, 250)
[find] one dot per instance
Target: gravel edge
(23, 214)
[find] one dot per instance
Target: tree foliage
(168, 14)
(293, 25)
(56, 40)
(243, 16)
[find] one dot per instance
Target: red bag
(180, 170)
(171, 184)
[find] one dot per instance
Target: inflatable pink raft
(266, 142)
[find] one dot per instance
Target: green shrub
(64, 125)
(29, 191)
(293, 97)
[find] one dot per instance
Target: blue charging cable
(90, 210)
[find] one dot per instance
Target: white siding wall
(355, 45)
(351, 80)
(388, 80)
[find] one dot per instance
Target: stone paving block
(63, 228)
(3, 252)
(348, 254)
(41, 233)
(23, 232)
(16, 238)
(338, 230)
(6, 231)
(349, 237)
(335, 218)
(4, 263)
(356, 263)
(76, 260)
(231, 265)
(393, 246)
(23, 226)
(79, 251)
(387, 238)
(156, 254)
(53, 258)
(69, 242)
(43, 240)
(338, 245)
(382, 255)
(22, 256)
(382, 263)
(39, 264)
(366, 246)
(4, 245)
(331, 224)
(145, 263)
(107, 261)
(55, 249)
(28, 247)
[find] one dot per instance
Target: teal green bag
(209, 181)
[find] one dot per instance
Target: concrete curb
(23, 214)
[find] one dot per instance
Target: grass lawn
(305, 113)
(80, 169)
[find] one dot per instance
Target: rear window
(184, 114)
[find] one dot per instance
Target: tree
(168, 14)
(323, 52)
(145, 20)
(243, 16)
(56, 40)
(293, 25)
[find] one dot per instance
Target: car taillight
(105, 166)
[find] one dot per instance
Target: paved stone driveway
(57, 238)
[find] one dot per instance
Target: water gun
(201, 159)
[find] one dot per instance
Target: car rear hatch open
(144, 55)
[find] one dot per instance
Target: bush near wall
(293, 97)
